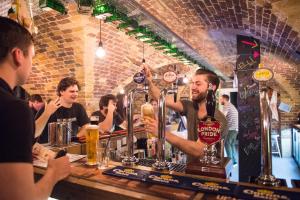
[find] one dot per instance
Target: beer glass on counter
(103, 151)
(92, 138)
(147, 111)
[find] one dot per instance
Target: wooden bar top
(89, 183)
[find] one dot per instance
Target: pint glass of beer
(147, 111)
(92, 138)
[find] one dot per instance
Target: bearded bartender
(194, 110)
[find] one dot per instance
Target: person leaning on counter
(16, 122)
(194, 110)
(64, 107)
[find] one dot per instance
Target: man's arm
(155, 91)
(82, 133)
(189, 147)
(17, 179)
(42, 120)
(193, 148)
(107, 123)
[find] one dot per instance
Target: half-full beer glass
(147, 111)
(92, 138)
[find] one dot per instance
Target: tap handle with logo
(210, 102)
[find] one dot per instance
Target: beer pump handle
(175, 88)
(146, 97)
(146, 88)
(175, 97)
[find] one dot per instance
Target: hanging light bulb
(185, 80)
(122, 91)
(100, 52)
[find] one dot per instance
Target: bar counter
(89, 183)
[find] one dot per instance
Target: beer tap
(161, 163)
(266, 178)
(130, 159)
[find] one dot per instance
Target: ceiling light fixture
(100, 52)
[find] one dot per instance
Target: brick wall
(65, 46)
(4, 6)
(211, 28)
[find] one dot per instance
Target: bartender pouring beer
(194, 110)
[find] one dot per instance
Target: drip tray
(172, 166)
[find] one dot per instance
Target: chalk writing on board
(248, 92)
(251, 148)
(251, 135)
(252, 44)
(246, 63)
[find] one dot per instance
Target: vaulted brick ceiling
(210, 26)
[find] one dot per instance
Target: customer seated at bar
(108, 119)
(35, 102)
(16, 122)
(63, 107)
(194, 110)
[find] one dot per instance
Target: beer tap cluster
(130, 159)
(161, 163)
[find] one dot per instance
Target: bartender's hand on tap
(151, 126)
(60, 168)
(52, 106)
(148, 73)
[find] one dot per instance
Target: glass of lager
(92, 138)
(147, 111)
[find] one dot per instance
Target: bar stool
(275, 144)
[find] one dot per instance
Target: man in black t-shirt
(64, 107)
(35, 102)
(16, 123)
(107, 117)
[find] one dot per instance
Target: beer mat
(172, 180)
(72, 158)
(251, 192)
(126, 172)
(218, 196)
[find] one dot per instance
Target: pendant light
(100, 52)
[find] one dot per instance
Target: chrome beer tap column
(262, 75)
(130, 159)
(161, 163)
(266, 178)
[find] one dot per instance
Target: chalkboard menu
(248, 58)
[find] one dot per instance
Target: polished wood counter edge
(93, 178)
